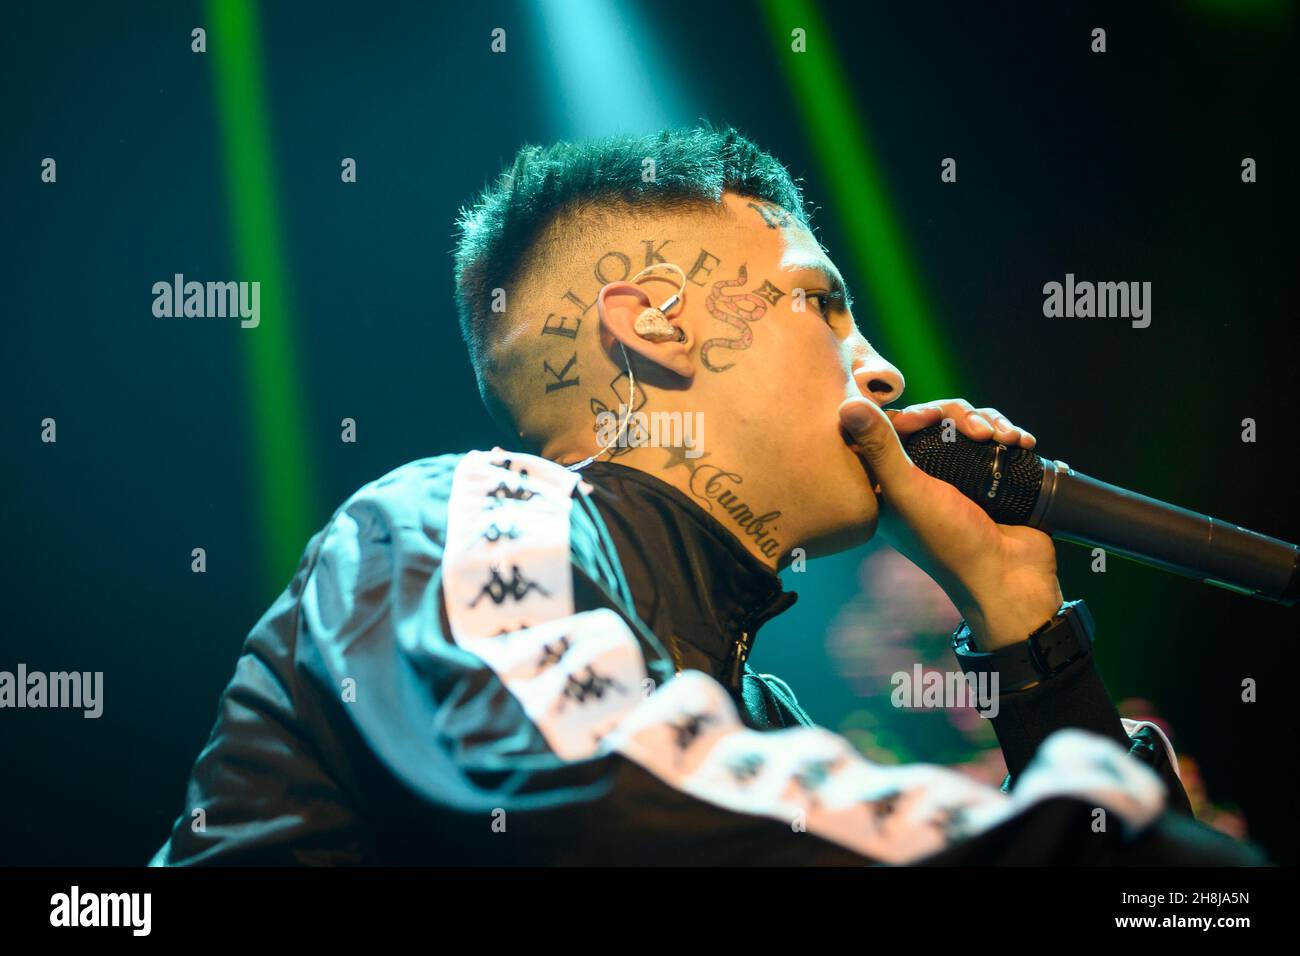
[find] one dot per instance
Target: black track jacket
(486, 659)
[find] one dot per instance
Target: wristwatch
(1050, 649)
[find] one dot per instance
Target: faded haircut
(497, 238)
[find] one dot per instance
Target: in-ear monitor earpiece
(652, 324)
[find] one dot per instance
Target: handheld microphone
(1017, 486)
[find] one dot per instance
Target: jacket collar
(690, 577)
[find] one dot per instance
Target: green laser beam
(848, 161)
(280, 462)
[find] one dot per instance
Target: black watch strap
(1050, 649)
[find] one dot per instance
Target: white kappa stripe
(582, 681)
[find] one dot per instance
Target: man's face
(778, 352)
(773, 351)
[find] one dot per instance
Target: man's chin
(857, 525)
(848, 505)
(843, 539)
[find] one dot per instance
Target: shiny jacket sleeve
(456, 676)
(1077, 697)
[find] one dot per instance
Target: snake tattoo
(737, 310)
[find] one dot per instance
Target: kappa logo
(689, 729)
(953, 822)
(884, 807)
(554, 652)
(494, 532)
(504, 492)
(592, 686)
(746, 768)
(518, 587)
(813, 774)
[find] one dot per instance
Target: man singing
(538, 654)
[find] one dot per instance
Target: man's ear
(619, 304)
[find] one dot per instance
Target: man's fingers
(914, 417)
(876, 441)
(1006, 431)
(1003, 430)
(980, 424)
(967, 420)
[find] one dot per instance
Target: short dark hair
(692, 169)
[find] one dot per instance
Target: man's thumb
(870, 429)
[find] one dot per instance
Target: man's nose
(878, 380)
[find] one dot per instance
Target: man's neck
(727, 492)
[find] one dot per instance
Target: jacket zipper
(738, 655)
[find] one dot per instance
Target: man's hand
(1001, 577)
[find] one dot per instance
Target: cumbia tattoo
(714, 485)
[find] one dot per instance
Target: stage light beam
(859, 193)
(601, 72)
(280, 459)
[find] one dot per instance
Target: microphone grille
(1006, 485)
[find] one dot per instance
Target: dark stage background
(174, 434)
